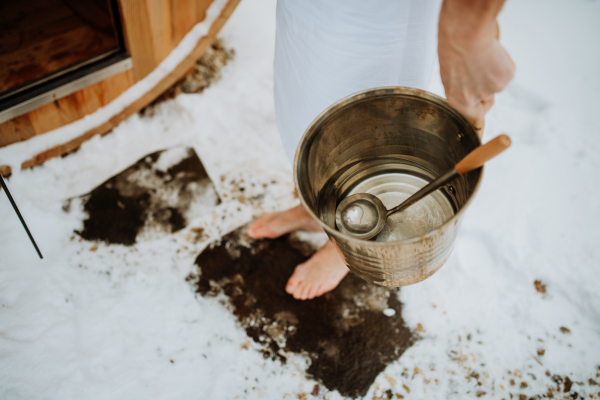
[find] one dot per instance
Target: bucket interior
(392, 132)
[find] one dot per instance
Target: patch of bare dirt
(206, 70)
(345, 333)
(539, 286)
(153, 195)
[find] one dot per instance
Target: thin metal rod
(424, 191)
(20, 216)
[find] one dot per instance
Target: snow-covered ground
(122, 322)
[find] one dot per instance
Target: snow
(97, 321)
(389, 312)
(171, 157)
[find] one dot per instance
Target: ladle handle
(482, 154)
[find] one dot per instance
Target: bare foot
(317, 276)
(273, 225)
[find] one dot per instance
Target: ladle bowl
(363, 215)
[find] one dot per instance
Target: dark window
(42, 40)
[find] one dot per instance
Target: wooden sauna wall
(152, 28)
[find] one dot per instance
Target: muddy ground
(349, 335)
(149, 196)
(345, 333)
(205, 71)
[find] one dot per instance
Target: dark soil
(140, 196)
(539, 286)
(206, 70)
(114, 218)
(344, 333)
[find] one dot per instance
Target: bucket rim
(383, 91)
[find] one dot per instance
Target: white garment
(328, 49)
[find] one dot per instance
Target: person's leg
(326, 50)
(274, 225)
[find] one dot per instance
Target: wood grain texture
(152, 29)
(16, 130)
(187, 13)
(483, 154)
(161, 25)
(148, 97)
(139, 38)
(65, 110)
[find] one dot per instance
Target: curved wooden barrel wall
(152, 29)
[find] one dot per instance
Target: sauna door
(41, 40)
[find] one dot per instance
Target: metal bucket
(371, 141)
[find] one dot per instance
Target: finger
(471, 112)
(481, 109)
(512, 67)
(479, 126)
(460, 105)
(497, 30)
(486, 105)
(475, 110)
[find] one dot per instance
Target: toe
(304, 293)
(296, 279)
(292, 284)
(298, 291)
(319, 290)
(317, 276)
(312, 292)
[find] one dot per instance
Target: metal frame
(63, 86)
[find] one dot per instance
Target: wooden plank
(201, 7)
(159, 13)
(110, 89)
(86, 101)
(15, 130)
(148, 97)
(138, 36)
(69, 109)
(153, 28)
(185, 14)
(44, 119)
(64, 111)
